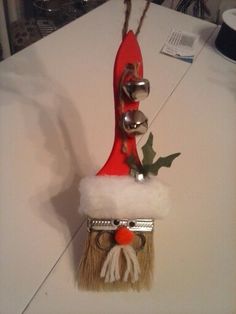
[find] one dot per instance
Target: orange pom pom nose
(123, 236)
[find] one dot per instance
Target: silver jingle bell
(134, 123)
(136, 90)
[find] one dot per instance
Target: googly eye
(116, 222)
(131, 224)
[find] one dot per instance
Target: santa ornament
(125, 197)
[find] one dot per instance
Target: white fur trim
(123, 197)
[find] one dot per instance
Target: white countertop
(57, 111)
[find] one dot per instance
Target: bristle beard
(93, 259)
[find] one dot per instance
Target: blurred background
(22, 22)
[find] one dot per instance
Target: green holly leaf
(134, 168)
(148, 166)
(148, 152)
(162, 162)
(131, 162)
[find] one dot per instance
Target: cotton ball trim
(123, 197)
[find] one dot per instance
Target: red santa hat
(113, 193)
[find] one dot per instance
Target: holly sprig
(148, 165)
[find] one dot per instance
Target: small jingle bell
(134, 123)
(137, 89)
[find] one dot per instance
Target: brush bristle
(93, 258)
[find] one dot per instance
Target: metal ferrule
(136, 225)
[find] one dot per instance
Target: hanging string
(127, 17)
(142, 17)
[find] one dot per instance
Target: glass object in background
(225, 5)
(187, 6)
(56, 12)
(199, 8)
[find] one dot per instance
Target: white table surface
(56, 113)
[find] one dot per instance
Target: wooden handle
(129, 53)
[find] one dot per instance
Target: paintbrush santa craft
(125, 197)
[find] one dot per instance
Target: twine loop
(127, 17)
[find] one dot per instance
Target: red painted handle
(129, 53)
